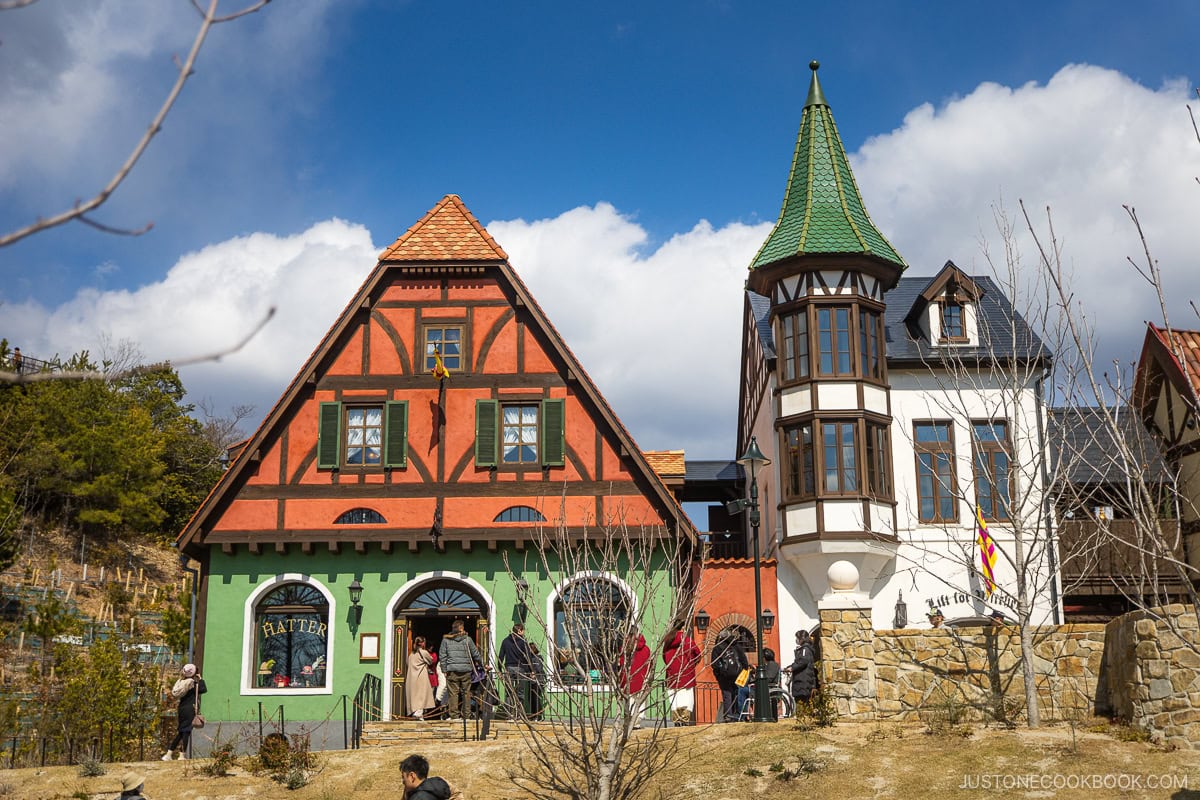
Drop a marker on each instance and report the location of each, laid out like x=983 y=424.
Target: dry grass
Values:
x=848 y=761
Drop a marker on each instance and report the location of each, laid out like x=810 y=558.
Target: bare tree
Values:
x=615 y=585
x=83 y=208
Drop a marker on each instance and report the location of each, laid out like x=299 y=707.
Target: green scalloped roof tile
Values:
x=822 y=211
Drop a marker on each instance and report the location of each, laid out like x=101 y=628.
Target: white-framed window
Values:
x=590 y=616
x=288 y=637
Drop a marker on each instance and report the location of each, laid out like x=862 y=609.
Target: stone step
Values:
x=409 y=732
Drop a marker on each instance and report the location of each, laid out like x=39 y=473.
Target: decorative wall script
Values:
x=999 y=597
x=286 y=626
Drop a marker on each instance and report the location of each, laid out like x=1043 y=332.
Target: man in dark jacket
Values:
x=517 y=660
x=414 y=774
x=458 y=655
x=728 y=660
x=804 y=672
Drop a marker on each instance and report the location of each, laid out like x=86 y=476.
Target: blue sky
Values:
x=633 y=152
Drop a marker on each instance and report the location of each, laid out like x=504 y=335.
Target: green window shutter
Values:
x=395 y=441
x=329 y=436
x=486 y=439
x=553 y=428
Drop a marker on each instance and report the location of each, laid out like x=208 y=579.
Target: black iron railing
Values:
x=367 y=707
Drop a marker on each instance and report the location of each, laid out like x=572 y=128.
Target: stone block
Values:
x=884 y=673
x=1145 y=629
x=1185 y=717
x=1155 y=668
x=1182 y=680
x=1160 y=688
x=1147 y=648
x=832 y=651
x=1186 y=657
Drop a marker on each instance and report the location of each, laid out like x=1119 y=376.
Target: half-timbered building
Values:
x=875 y=395
x=439 y=422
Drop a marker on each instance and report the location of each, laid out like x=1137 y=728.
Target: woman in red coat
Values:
x=634 y=668
x=681 y=657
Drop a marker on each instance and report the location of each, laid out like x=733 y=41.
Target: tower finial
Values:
x=815 y=96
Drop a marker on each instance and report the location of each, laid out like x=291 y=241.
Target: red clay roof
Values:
x=449 y=232
x=1187 y=345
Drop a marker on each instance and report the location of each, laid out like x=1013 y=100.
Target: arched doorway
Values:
x=428 y=610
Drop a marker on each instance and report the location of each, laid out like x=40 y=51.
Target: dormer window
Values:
x=954 y=328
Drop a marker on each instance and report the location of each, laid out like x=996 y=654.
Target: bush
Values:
x=296 y=779
x=90 y=767
x=221 y=759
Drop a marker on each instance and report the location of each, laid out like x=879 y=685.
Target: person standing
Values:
x=728 y=660
x=187 y=691
x=681 y=656
x=537 y=682
x=633 y=669
x=516 y=660
x=804 y=671
x=418 y=691
x=18 y=360
x=458 y=656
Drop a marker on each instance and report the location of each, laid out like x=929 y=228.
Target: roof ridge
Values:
x=448 y=242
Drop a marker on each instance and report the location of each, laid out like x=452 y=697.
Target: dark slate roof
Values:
x=760 y=307
x=997 y=318
x=995 y=313
x=1085 y=439
x=725 y=470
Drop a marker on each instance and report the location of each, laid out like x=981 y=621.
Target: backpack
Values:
x=727 y=667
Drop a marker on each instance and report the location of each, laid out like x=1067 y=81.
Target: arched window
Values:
x=291 y=637
x=590 y=616
x=360 y=516
x=519 y=514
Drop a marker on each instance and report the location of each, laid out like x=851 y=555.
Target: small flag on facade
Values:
x=987 y=551
x=439 y=369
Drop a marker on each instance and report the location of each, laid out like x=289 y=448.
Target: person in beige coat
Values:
x=418 y=691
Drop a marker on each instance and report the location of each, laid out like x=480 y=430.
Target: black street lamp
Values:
x=753 y=459
x=356 y=590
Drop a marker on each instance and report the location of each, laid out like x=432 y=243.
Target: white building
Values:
x=891 y=407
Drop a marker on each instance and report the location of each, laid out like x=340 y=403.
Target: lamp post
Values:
x=356 y=591
x=753 y=459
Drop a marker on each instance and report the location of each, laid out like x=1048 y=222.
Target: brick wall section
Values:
x=909 y=674
x=1153 y=662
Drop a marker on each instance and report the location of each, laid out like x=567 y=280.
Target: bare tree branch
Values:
x=24 y=377
x=80 y=209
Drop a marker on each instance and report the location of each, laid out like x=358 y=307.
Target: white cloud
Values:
x=1084 y=144
x=658 y=330
x=209 y=300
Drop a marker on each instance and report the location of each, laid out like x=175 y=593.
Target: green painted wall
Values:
x=232 y=579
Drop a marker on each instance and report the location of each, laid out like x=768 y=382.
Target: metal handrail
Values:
x=367 y=707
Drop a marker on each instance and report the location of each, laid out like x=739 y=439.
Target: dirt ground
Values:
x=724 y=761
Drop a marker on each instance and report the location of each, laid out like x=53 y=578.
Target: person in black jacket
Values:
x=517 y=661
x=728 y=660
x=414 y=775
x=804 y=671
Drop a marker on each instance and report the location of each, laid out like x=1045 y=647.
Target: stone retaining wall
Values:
x=973 y=672
x=1154 y=667
x=1143 y=667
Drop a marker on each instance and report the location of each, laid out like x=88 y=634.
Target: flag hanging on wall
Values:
x=439 y=369
x=987 y=551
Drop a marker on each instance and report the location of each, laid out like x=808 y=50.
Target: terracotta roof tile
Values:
x=1188 y=346
x=448 y=232
x=668 y=463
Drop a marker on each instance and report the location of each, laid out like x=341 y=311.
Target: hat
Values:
x=131 y=781
x=189 y=670
x=996 y=615
x=934 y=612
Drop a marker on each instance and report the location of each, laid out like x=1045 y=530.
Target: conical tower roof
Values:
x=822 y=210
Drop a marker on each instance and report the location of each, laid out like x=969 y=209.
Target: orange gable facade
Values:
x=366 y=426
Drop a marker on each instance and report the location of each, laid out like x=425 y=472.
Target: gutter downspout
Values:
x=183 y=564
x=1052 y=543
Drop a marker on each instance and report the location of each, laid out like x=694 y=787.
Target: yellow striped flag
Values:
x=987 y=551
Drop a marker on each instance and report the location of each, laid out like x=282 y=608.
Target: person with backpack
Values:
x=728 y=660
